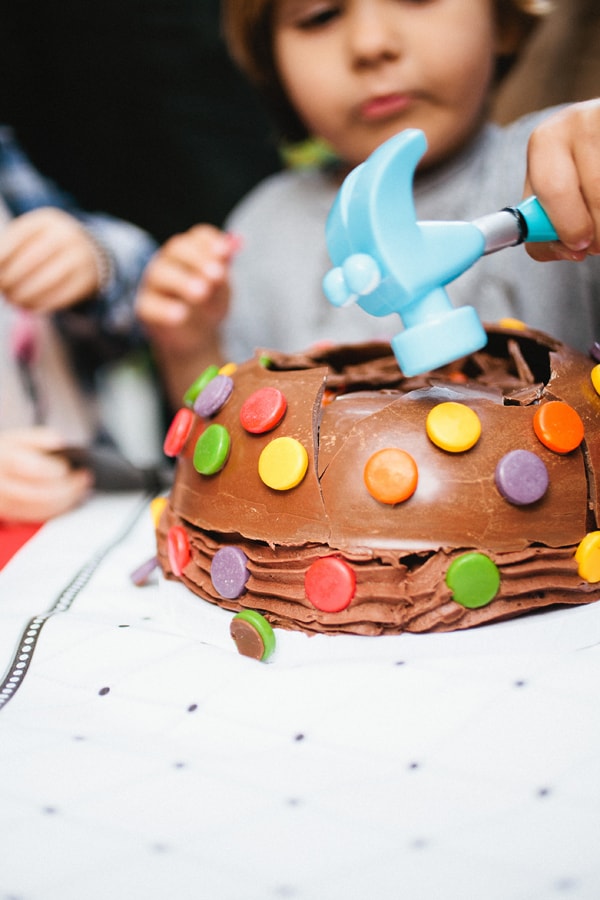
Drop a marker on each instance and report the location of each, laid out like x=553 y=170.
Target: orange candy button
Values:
x=283 y=463
x=453 y=426
x=558 y=426
x=587 y=557
x=391 y=475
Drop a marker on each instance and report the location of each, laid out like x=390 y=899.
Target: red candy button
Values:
x=263 y=410
x=178 y=432
x=178 y=549
x=558 y=426
x=330 y=584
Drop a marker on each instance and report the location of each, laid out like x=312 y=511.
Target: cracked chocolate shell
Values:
x=324 y=550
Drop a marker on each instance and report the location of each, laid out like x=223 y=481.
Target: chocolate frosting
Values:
x=343 y=404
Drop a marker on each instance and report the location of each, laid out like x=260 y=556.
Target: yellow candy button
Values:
x=156 y=507
x=453 y=426
x=587 y=557
x=283 y=463
x=228 y=369
x=515 y=324
x=596 y=378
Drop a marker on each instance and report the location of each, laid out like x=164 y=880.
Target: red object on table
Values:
x=12 y=537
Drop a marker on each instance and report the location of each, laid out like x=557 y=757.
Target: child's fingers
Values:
x=47 y=261
x=55 y=282
x=157 y=310
x=186 y=268
x=587 y=158
x=564 y=172
x=41 y=436
x=35 y=501
x=36 y=483
x=167 y=277
x=198 y=245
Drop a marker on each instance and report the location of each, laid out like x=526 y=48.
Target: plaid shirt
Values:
x=104 y=326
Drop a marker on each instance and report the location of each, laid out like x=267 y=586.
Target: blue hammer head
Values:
x=387 y=262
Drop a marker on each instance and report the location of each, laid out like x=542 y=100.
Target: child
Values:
x=354 y=73
x=67 y=281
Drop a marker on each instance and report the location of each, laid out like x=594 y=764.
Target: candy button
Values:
x=178 y=549
x=228 y=369
x=214 y=396
x=515 y=324
x=453 y=426
x=212 y=449
x=156 y=509
x=587 y=556
x=140 y=576
x=283 y=463
x=178 y=432
x=252 y=634
x=330 y=584
x=391 y=475
x=228 y=572
x=558 y=426
x=473 y=579
x=199 y=384
x=521 y=477
x=263 y=410
x=595 y=374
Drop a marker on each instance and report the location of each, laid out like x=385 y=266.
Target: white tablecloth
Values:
x=142 y=757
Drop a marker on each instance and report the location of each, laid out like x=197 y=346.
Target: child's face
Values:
x=358 y=71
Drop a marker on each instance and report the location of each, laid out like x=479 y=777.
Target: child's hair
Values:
x=248 y=27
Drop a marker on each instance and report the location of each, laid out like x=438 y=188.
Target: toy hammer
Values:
x=388 y=262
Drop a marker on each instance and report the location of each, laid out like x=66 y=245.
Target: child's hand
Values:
x=184 y=293
x=35 y=483
x=183 y=297
x=47 y=261
x=564 y=171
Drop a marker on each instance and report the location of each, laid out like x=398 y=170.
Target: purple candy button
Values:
x=521 y=477
x=228 y=572
x=213 y=396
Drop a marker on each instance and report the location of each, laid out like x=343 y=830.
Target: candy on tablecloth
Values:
x=253 y=635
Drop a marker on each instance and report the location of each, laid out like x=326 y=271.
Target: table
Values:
x=142 y=757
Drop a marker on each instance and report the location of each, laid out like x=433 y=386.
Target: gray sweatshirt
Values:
x=278 y=301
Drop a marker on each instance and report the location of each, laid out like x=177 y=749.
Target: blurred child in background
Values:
x=67 y=284
x=353 y=74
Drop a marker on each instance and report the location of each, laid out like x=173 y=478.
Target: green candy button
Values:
x=473 y=579
x=199 y=384
x=255 y=637
x=212 y=450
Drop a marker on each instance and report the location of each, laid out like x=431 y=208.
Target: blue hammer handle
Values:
x=514 y=225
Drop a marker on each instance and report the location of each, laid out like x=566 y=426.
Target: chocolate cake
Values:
x=331 y=494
